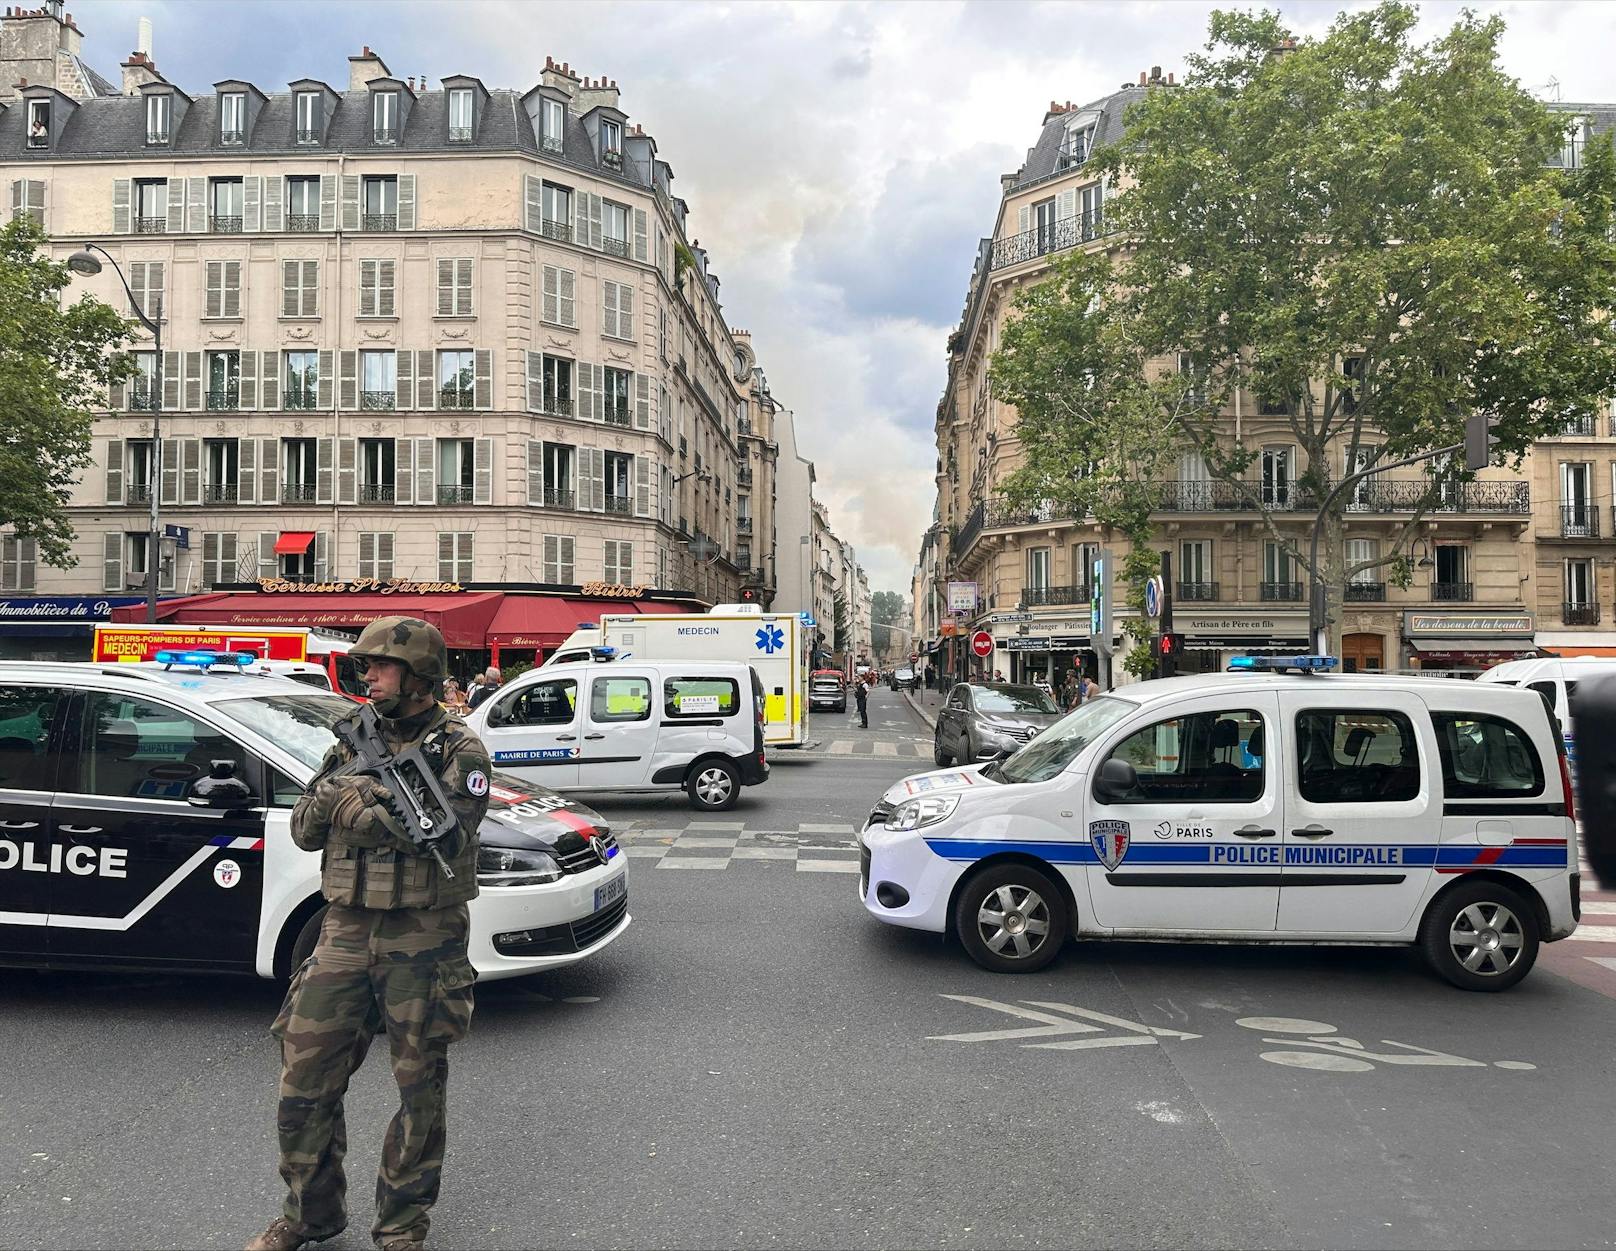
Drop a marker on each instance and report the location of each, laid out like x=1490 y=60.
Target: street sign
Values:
x=981 y=645
x=1153 y=597
x=181 y=535
x=1009 y=618
x=962 y=597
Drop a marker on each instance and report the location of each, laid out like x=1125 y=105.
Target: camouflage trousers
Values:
x=405 y=972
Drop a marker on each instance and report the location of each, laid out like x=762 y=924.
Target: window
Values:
x=1038 y=568
x=1360 y=551
x=221 y=481
x=1485 y=757
x=455 y=470
x=219 y=554
x=298 y=458
x=134 y=748
x=700 y=697
x=617 y=309
x=614 y=228
x=151 y=206
x=298 y=566
x=308 y=117
x=223 y=296
x=379 y=203
x=619 y=699
x=1278 y=573
x=27 y=714
x=560 y=305
x=556 y=222
x=301 y=390
x=615 y=387
x=1356 y=461
x=559 y=485
x=456 y=379
x=1578 y=518
x=544 y=703
x=224 y=381
x=611 y=140
x=233 y=117
x=1452 y=581
x=618 y=496
x=28 y=200
x=1352 y=756
x=142 y=388
x=1352 y=369
x=1206 y=757
x=159 y=109
x=376 y=278
x=1197 y=581
x=39 y=123
x=619 y=555
x=300 y=288
x=454 y=286
x=1579 y=583
x=376 y=555
x=1276 y=477
x=1043 y=215
x=17 y=560
x=303 y=203
x=558 y=552
x=460 y=115
x=454 y=557
x=384 y=117
x=557 y=372
x=377 y=477
x=378 y=380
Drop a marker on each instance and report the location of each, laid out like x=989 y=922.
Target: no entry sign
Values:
x=982 y=644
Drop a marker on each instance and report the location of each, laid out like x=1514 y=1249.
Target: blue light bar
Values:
x=603 y=653
x=206 y=660
x=1274 y=664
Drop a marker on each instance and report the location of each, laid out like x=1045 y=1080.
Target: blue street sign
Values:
x=1153 y=597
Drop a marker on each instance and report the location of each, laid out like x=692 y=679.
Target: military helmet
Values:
x=414 y=643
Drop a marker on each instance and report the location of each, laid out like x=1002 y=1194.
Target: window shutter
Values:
x=350 y=202
x=1023 y=220
x=567 y=549
x=252 y=201
x=35 y=205
x=535 y=473
x=112 y=561
x=347 y=457
x=594 y=460
x=310 y=285
x=483 y=379
x=121 y=206
x=446 y=550
x=639 y=234
x=423 y=471
x=269 y=468
x=196 y=205
x=249 y=380
x=550 y=309
x=170 y=493
x=462 y=281
x=406 y=201
x=367 y=554
x=533 y=203
x=595 y=233
x=445 y=287
x=642 y=470
x=405 y=379
x=384 y=556
x=580 y=228
x=625 y=311
x=584 y=409
x=404 y=460
x=367 y=288
x=274 y=191
x=19 y=197
x=155 y=277
x=348 y=389
x=268 y=565
x=642 y=402
x=117 y=392
x=552 y=557
x=210 y=559
x=482 y=471
x=291 y=288
x=426 y=392
x=322 y=556
x=176 y=206
x=328 y=367
x=193 y=380
x=191 y=471
x=1066 y=205
x=385 y=272
x=115 y=471
x=171 y=381
x=232 y=289
x=535 y=382
x=247 y=465
x=328 y=202
x=566 y=298
x=322 y=470
x=137 y=286
x=213 y=303
x=608 y=308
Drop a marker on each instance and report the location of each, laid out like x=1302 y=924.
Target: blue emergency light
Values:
x=603 y=653
x=1281 y=664
x=205 y=660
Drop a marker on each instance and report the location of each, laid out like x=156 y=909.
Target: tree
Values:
x=54 y=369
x=890 y=623
x=1366 y=236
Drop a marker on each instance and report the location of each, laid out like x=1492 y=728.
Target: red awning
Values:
x=293 y=542
x=546 y=620
x=462 y=617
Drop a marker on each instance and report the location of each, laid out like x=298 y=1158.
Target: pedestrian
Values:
x=1091 y=688
x=1071 y=691
x=861 y=693
x=998 y=675
x=391 y=956
x=454 y=699
x=490 y=684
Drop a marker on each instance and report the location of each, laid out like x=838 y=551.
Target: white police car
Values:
x=109 y=856
x=1278 y=805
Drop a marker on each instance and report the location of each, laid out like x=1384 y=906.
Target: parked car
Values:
x=904 y=679
x=980 y=720
x=827 y=691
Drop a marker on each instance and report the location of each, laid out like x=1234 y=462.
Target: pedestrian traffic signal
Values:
x=1172 y=644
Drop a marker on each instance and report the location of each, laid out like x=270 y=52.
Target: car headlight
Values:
x=925 y=811
x=508 y=866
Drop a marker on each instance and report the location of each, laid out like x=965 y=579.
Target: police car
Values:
x=113 y=855
x=1283 y=804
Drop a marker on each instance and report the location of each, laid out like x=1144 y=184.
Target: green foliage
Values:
x=1139 y=566
x=53 y=371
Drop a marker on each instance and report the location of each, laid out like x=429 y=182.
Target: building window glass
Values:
x=302 y=388
x=455 y=469
x=456 y=379
x=378 y=380
x=379 y=210
x=377 y=479
x=560 y=489
x=39 y=123
x=553 y=125
x=619 y=497
x=303 y=203
x=225 y=210
x=384 y=117
x=460 y=115
x=308 y=117
x=151 y=206
x=299 y=460
x=233 y=117
x=159 y=109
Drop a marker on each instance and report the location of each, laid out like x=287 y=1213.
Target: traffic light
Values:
x=1479 y=441
x=1169 y=646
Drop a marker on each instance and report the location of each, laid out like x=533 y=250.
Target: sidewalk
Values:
x=926 y=703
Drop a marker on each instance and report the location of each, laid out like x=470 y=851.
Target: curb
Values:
x=925 y=716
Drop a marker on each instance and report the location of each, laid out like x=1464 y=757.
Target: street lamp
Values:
x=84 y=262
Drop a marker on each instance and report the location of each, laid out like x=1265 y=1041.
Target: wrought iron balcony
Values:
x=1453 y=592
x=384 y=134
x=308 y=136
x=379 y=221
x=1580 y=427
x=151 y=225
x=297 y=493
x=460 y=134
x=452 y=398
x=559 y=407
x=299 y=399
x=220 y=493
x=551 y=143
x=614 y=247
x=222 y=401
x=965 y=537
x=743 y=425
x=376 y=493
x=137 y=493
x=1067 y=233
x=560 y=231
x=302 y=221
x=232 y=138
x=560 y=499
x=1579 y=521
x=1365 y=592
x=378 y=401
x=1279 y=592
x=1580 y=614
x=1038 y=596
x=743 y=525
x=142 y=401
x=617 y=415
x=1391 y=496
x=458 y=494
x=743 y=477
x=618 y=504
x=229 y=225
x=1197 y=592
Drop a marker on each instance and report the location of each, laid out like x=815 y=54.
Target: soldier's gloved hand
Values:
x=352 y=810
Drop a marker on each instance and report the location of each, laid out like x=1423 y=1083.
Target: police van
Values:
x=145 y=814
x=1280 y=804
x=1556 y=679
x=613 y=725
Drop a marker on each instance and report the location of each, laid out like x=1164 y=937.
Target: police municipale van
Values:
x=145 y=823
x=1282 y=803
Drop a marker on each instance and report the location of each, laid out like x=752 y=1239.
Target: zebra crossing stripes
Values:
x=813 y=847
x=906 y=748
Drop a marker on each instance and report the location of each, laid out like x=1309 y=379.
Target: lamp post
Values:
x=84 y=262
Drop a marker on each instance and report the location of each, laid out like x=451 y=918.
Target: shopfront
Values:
x=57 y=627
x=1212 y=639
x=1466 y=643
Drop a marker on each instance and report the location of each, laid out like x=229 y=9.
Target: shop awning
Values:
x=1482 y=645
x=293 y=542
x=463 y=617
x=546 y=620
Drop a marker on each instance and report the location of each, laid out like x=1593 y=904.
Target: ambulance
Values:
x=775 y=645
x=311 y=656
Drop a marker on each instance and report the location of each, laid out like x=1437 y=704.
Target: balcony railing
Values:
x=560 y=499
x=308 y=136
x=455 y=399
x=297 y=493
x=560 y=408
x=230 y=225
x=384 y=134
x=965 y=537
x=1579 y=521
x=379 y=221
x=614 y=247
x=743 y=477
x=223 y=401
x=378 y=401
x=1580 y=427
x=302 y=221
x=1067 y=233
x=1579 y=614
x=142 y=401
x=1279 y=592
x=460 y=134
x=743 y=525
x=376 y=493
x=1365 y=592
x=151 y=225
x=743 y=425
x=618 y=504
x=459 y=494
x=617 y=415
x=1453 y=592
x=137 y=493
x=299 y=399
x=551 y=143
x=220 y=493
x=232 y=138
x=1391 y=496
x=1040 y=596
x=1198 y=592
x=559 y=231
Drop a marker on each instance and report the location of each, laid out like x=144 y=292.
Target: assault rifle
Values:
x=417 y=793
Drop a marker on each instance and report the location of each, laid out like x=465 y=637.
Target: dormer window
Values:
x=39 y=123
x=555 y=122
x=1078 y=144
x=233 y=117
x=611 y=142
x=384 y=117
x=159 y=115
x=308 y=117
x=460 y=116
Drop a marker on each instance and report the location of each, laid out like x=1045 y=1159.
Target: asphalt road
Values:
x=758 y=1063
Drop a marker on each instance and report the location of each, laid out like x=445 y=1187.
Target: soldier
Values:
x=391 y=955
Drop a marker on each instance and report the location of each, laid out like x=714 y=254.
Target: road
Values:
x=758 y=1063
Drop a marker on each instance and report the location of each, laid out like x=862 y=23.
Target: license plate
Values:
x=611 y=892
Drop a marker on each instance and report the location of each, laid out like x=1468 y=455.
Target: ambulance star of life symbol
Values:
x=770 y=639
x=1110 y=840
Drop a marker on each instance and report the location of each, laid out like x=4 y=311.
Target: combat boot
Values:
x=283 y=1236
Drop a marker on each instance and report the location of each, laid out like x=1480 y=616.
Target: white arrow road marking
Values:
x=1137 y=1035
x=1052 y=1024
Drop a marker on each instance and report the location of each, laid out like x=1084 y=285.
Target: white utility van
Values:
x=773 y=644
x=1555 y=678
x=1275 y=806
x=631 y=725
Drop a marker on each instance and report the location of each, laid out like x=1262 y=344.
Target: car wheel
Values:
x=307 y=937
x=1480 y=936
x=714 y=785
x=941 y=757
x=1011 y=918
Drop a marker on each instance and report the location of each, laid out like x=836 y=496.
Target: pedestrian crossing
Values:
x=867 y=744
x=712 y=846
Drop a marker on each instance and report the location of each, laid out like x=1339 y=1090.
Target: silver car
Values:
x=982 y=719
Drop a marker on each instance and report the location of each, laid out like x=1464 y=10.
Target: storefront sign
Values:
x=367 y=586
x=119 y=643
x=612 y=590
x=962 y=597
x=65 y=607
x=1469 y=624
x=1026 y=643
x=1249 y=628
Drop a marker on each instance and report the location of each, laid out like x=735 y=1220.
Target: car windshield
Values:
x=1012 y=699
x=1058 y=746
x=299 y=723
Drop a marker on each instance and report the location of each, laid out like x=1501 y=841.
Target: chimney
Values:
x=138 y=70
x=1170 y=81
x=143 y=34
x=560 y=77
x=597 y=92
x=1287 y=44
x=1142 y=77
x=1155 y=76
x=365 y=67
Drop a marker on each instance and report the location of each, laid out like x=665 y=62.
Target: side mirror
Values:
x=220 y=789
x=1115 y=781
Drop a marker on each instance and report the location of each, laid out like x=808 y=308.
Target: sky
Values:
x=840 y=159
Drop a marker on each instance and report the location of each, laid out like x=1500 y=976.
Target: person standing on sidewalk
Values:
x=861 y=693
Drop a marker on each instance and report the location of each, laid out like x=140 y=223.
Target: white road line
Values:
x=1599 y=908
x=1596 y=933
x=827 y=866
x=765 y=853
x=703 y=840
x=841 y=747
x=885 y=749
x=1608 y=962
x=806 y=828
x=646 y=853
x=692 y=862
x=716 y=825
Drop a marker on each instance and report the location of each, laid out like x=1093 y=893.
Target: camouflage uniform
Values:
x=391 y=955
